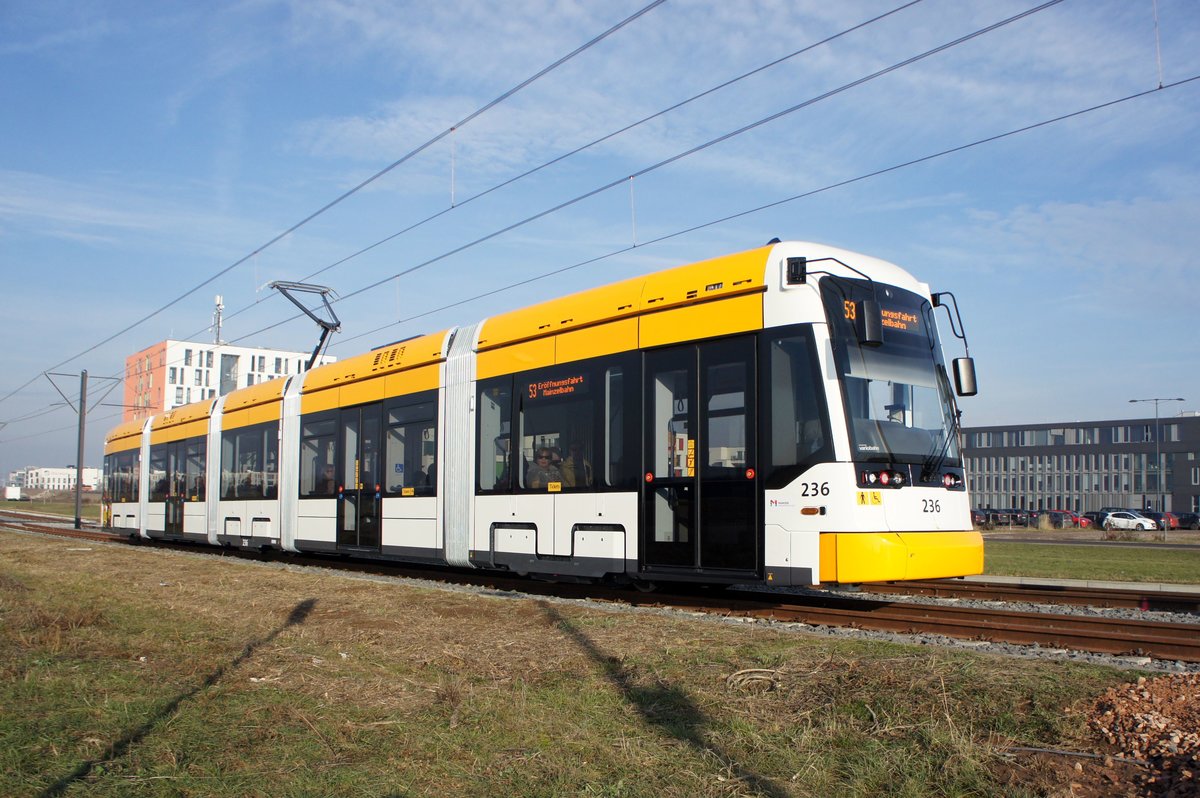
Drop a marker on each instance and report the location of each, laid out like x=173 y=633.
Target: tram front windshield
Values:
x=897 y=396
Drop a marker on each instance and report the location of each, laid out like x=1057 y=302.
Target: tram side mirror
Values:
x=964 y=376
x=870 y=323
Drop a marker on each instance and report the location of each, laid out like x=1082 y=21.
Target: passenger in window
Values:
x=326 y=484
x=576 y=470
x=431 y=474
x=543 y=471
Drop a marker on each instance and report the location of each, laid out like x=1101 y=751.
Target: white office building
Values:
x=37 y=478
x=174 y=373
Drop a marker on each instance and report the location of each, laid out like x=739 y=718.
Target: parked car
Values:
x=1096 y=517
x=1016 y=517
x=998 y=517
x=979 y=519
x=1129 y=519
x=1189 y=520
x=1059 y=519
x=1033 y=518
x=1074 y=519
x=1164 y=520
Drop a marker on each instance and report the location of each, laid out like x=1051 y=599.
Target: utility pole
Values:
x=1158 y=464
x=79 y=450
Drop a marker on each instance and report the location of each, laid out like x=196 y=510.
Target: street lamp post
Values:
x=1162 y=508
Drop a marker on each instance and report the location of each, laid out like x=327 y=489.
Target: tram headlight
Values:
x=887 y=478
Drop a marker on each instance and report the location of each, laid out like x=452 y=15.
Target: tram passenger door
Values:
x=360 y=486
x=173 y=512
x=700 y=495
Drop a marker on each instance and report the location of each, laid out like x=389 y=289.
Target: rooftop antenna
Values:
x=327 y=327
x=217 y=318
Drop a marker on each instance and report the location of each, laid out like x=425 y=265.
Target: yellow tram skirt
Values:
x=849 y=557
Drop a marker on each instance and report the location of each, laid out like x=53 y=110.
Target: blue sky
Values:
x=145 y=147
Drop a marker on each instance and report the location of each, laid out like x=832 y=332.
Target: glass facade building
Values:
x=1082 y=466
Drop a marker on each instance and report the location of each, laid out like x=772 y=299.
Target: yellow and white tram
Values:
x=781 y=416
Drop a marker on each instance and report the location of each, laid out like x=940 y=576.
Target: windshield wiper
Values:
x=934 y=462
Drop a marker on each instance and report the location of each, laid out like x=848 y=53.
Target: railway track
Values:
x=1105 y=635
x=39 y=523
x=1139 y=598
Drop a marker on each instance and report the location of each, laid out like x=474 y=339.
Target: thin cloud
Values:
x=59 y=40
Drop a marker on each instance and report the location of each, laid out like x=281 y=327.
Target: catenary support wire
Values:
x=350 y=192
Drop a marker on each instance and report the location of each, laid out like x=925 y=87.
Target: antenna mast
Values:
x=217 y=318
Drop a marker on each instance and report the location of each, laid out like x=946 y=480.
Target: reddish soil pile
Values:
x=1155 y=722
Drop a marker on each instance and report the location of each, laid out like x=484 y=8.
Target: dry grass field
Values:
x=131 y=671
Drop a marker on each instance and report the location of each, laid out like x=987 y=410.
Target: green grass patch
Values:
x=64 y=508
x=141 y=672
x=1095 y=562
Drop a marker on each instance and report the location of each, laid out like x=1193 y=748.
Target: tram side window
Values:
x=249 y=467
x=132 y=467
x=798 y=435
x=557 y=429
x=195 y=456
x=725 y=397
x=114 y=486
x=675 y=454
x=494 y=435
x=160 y=487
x=110 y=478
x=614 y=434
x=123 y=473
x=318 y=457
x=411 y=449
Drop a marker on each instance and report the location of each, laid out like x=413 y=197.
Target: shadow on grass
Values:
x=665 y=707
x=119 y=748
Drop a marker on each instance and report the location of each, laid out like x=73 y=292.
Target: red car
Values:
x=1075 y=519
x=1164 y=520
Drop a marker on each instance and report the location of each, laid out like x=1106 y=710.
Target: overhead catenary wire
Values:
x=677 y=157
x=454 y=205
x=689 y=229
x=350 y=192
x=749 y=211
x=577 y=150
x=33 y=435
x=784 y=201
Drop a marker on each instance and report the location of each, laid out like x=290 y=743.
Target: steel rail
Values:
x=1155 y=639
x=1130 y=637
x=1143 y=598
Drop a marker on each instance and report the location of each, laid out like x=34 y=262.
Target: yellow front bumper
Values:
x=884 y=556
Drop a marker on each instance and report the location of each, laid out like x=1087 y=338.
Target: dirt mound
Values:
x=1156 y=723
